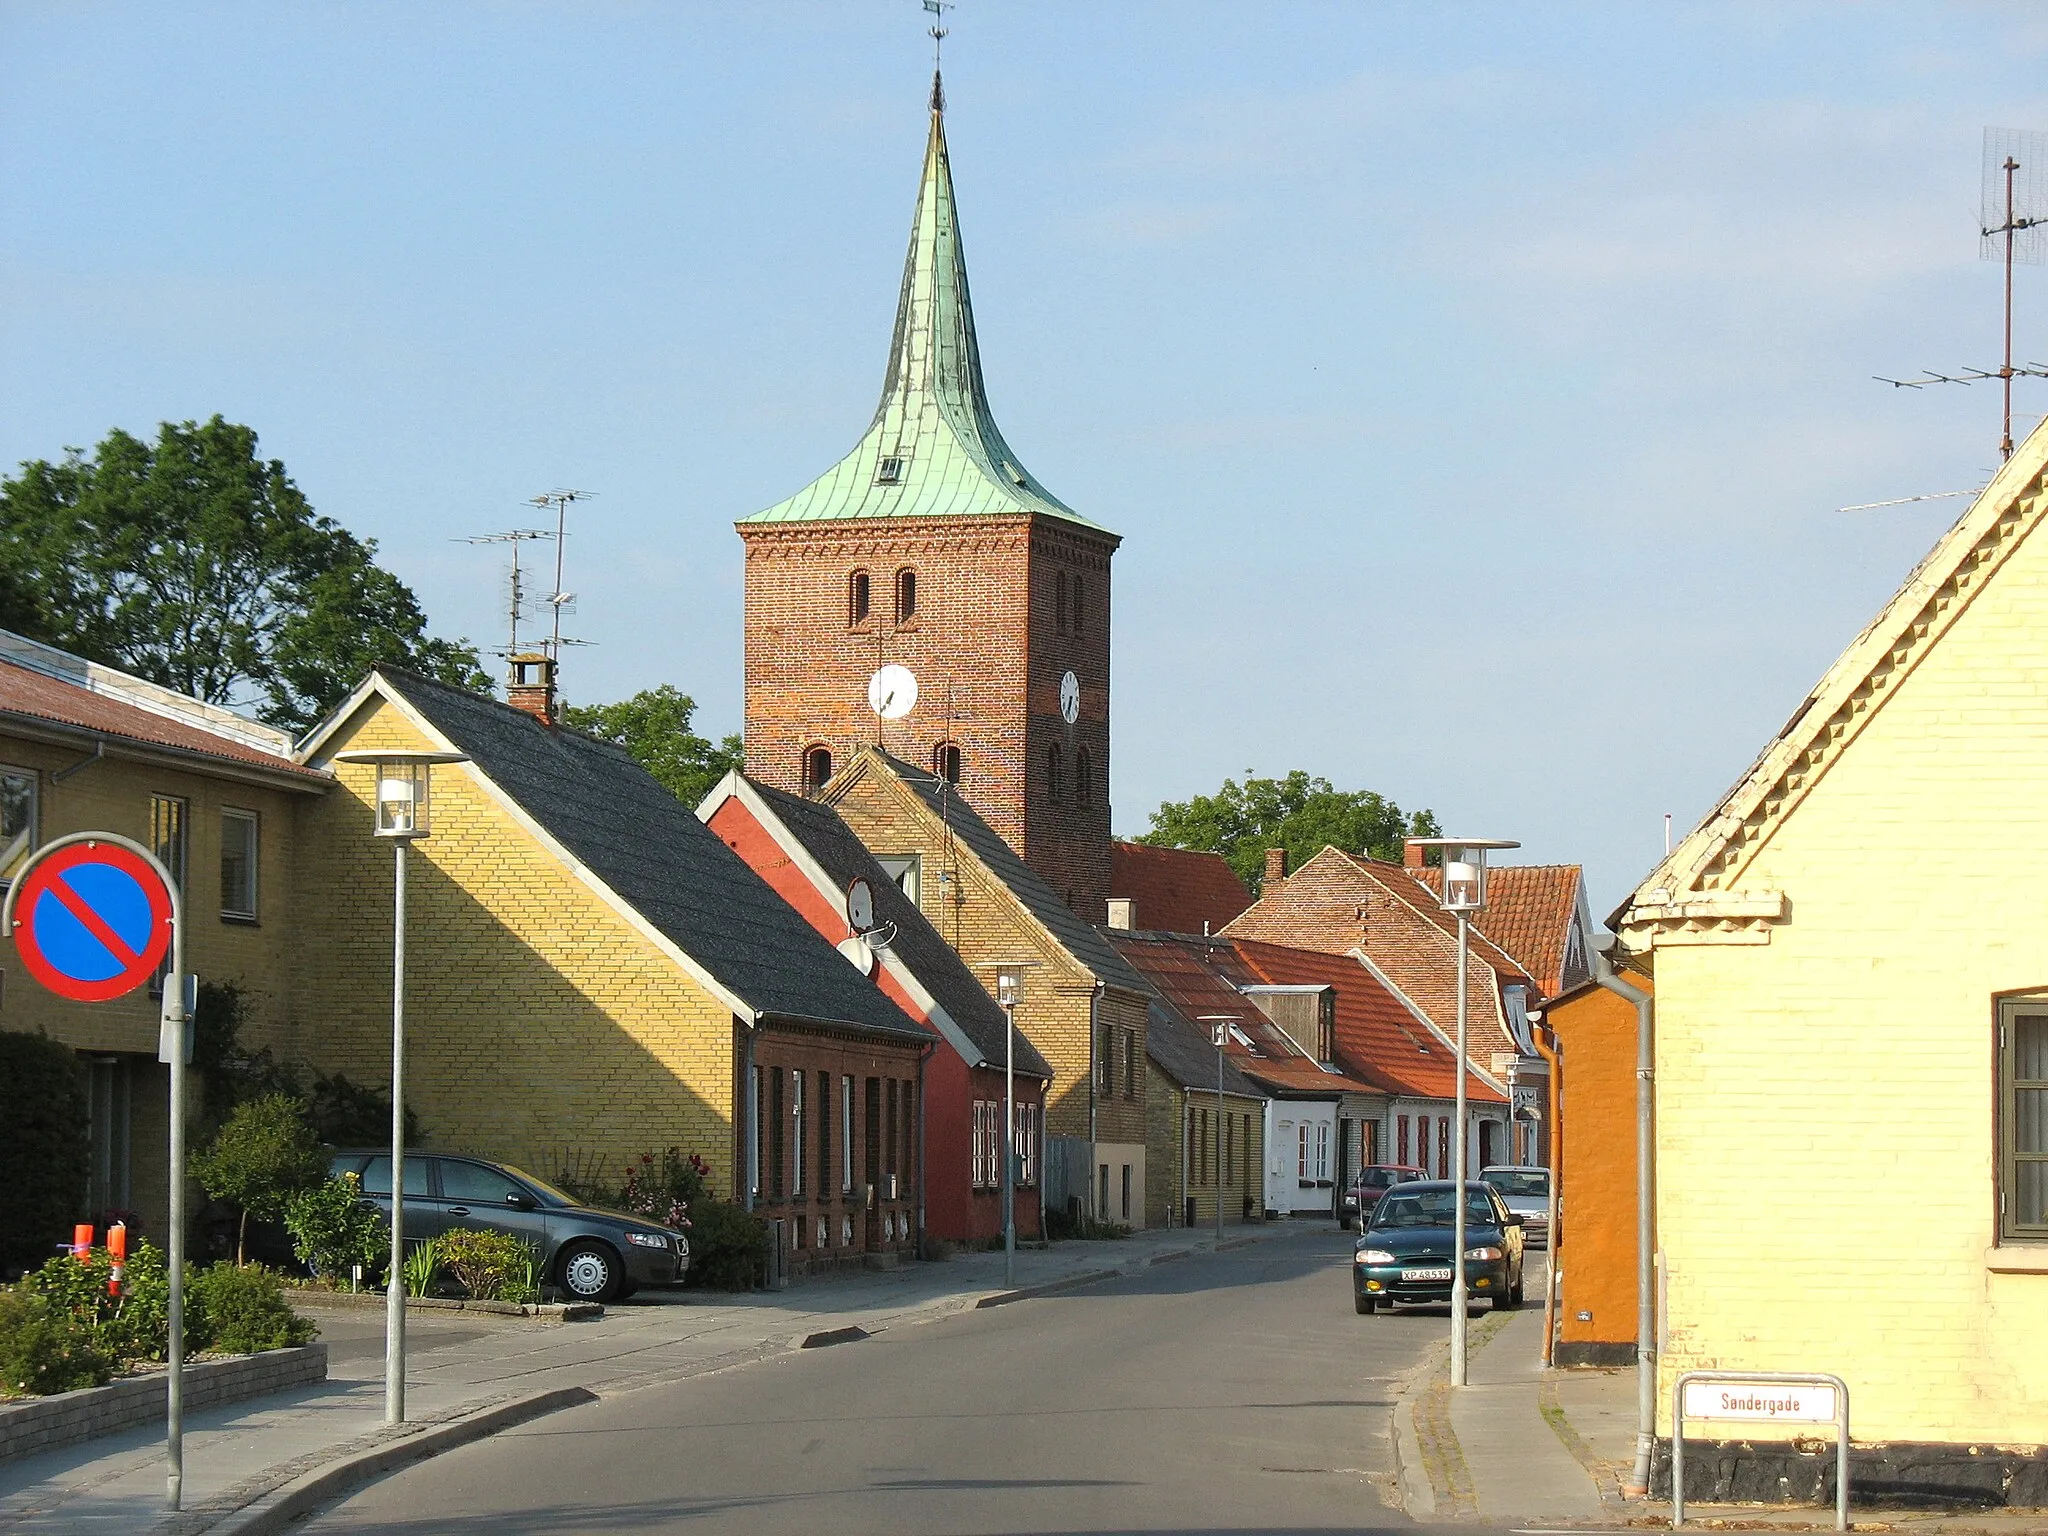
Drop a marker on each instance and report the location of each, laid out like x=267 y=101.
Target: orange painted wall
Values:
x=1597 y=1184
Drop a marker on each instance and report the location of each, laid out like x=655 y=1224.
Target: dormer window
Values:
x=889 y=472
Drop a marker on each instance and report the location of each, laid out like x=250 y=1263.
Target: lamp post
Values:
x=402 y=815
x=1464 y=892
x=1009 y=992
x=1219 y=1035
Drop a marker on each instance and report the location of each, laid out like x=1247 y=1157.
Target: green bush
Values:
x=483 y=1261
x=333 y=1231
x=43 y=1153
x=134 y=1326
x=44 y=1348
x=241 y=1310
x=422 y=1268
x=263 y=1156
x=1061 y=1226
x=728 y=1247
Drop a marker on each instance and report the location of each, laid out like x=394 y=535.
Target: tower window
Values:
x=1055 y=773
x=946 y=762
x=817 y=769
x=906 y=595
x=1059 y=600
x=1080 y=601
x=1084 y=777
x=890 y=472
x=857 y=598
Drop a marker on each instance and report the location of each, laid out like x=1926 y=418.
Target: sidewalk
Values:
x=1530 y=1447
x=469 y=1373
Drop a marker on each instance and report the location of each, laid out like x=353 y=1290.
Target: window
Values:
x=167 y=834
x=377 y=1177
x=889 y=471
x=946 y=762
x=1321 y=1160
x=471 y=1183
x=904 y=869
x=1080 y=601
x=817 y=769
x=1301 y=1151
x=1084 y=777
x=846 y=1135
x=1202 y=1148
x=824 y=1140
x=1401 y=1139
x=889 y=1144
x=17 y=818
x=2023 y=1116
x=1105 y=1067
x=771 y=1122
x=1055 y=773
x=857 y=599
x=798 y=1129
x=1229 y=1130
x=1130 y=1063
x=1027 y=1142
x=906 y=595
x=1059 y=600
x=1127 y=1191
x=987 y=1115
x=238 y=864
x=754 y=1146
x=1443 y=1146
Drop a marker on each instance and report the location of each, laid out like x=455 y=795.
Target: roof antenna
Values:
x=2013 y=226
x=558 y=599
x=515 y=579
x=938 y=9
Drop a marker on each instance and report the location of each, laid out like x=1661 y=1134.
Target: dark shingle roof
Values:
x=1078 y=938
x=829 y=840
x=651 y=850
x=1183 y=1052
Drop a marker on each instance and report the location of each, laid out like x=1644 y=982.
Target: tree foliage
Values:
x=1301 y=813
x=654 y=726
x=197 y=565
x=264 y=1155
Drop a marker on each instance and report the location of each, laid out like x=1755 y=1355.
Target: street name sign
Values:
x=1793 y=1403
x=92 y=921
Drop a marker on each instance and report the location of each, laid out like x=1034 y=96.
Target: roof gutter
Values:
x=1646 y=1215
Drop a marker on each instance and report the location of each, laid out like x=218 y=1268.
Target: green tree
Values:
x=43 y=1148
x=654 y=726
x=197 y=565
x=1300 y=813
x=263 y=1156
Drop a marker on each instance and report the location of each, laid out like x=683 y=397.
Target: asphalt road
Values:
x=1220 y=1393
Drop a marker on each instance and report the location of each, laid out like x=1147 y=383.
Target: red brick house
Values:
x=810 y=856
x=1535 y=912
x=1172 y=890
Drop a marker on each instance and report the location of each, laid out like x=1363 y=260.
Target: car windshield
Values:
x=1429 y=1208
x=1517 y=1183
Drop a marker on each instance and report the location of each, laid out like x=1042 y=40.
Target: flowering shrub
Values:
x=663 y=1192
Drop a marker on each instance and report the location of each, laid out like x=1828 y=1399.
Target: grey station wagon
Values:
x=591 y=1253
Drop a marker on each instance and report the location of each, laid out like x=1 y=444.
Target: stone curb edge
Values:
x=362 y=1301
x=323 y=1485
x=1025 y=1293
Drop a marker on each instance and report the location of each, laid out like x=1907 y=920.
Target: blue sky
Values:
x=1475 y=386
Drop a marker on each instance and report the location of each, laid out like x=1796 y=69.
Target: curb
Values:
x=300 y=1497
x=363 y=1301
x=1025 y=1293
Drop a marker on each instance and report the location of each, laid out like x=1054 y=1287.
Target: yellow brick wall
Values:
x=1825 y=1135
x=1166 y=1109
x=538 y=1021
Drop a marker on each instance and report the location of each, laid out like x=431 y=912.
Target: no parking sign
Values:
x=92 y=920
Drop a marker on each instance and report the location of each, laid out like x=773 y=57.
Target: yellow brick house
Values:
x=593 y=974
x=1851 y=967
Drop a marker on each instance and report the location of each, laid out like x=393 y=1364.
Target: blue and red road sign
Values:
x=92 y=921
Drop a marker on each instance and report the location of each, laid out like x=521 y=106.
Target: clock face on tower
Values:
x=1070 y=698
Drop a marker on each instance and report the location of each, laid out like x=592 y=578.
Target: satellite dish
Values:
x=860 y=953
x=1070 y=698
x=892 y=692
x=860 y=905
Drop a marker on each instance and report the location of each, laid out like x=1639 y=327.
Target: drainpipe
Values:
x=1551 y=1049
x=1094 y=1077
x=1646 y=1218
x=923 y=1056
x=750 y=1137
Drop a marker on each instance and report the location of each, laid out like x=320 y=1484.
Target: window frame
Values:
x=860 y=608
x=947 y=755
x=904 y=590
x=813 y=785
x=2007 y=1087
x=1084 y=776
x=1055 y=773
x=32 y=833
x=254 y=822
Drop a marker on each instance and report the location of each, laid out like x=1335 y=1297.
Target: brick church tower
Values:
x=931 y=547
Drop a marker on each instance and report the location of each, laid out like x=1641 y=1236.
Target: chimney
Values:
x=1276 y=873
x=531 y=687
x=1411 y=855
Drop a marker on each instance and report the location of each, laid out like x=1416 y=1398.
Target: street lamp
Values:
x=1219 y=1035
x=1464 y=892
x=400 y=801
x=1009 y=992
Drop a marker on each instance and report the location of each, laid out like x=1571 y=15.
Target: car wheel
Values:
x=1363 y=1304
x=591 y=1272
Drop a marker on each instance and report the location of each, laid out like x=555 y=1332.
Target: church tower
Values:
x=930 y=547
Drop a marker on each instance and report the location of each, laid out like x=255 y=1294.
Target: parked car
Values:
x=1404 y=1252
x=591 y=1253
x=1527 y=1193
x=1373 y=1180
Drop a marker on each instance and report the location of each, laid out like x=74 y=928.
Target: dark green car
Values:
x=1404 y=1253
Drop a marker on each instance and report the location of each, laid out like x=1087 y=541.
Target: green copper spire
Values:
x=933 y=449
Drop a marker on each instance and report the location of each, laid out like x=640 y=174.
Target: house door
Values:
x=1487 y=1148
x=872 y=1215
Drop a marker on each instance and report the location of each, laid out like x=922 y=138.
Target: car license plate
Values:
x=1425 y=1274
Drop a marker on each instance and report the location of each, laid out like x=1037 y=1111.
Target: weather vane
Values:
x=938 y=9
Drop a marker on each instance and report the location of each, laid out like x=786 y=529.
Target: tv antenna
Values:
x=559 y=499
x=2012 y=225
x=515 y=583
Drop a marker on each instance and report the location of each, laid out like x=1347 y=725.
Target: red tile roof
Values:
x=1175 y=890
x=1529 y=913
x=35 y=695
x=1202 y=976
x=1378 y=1039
